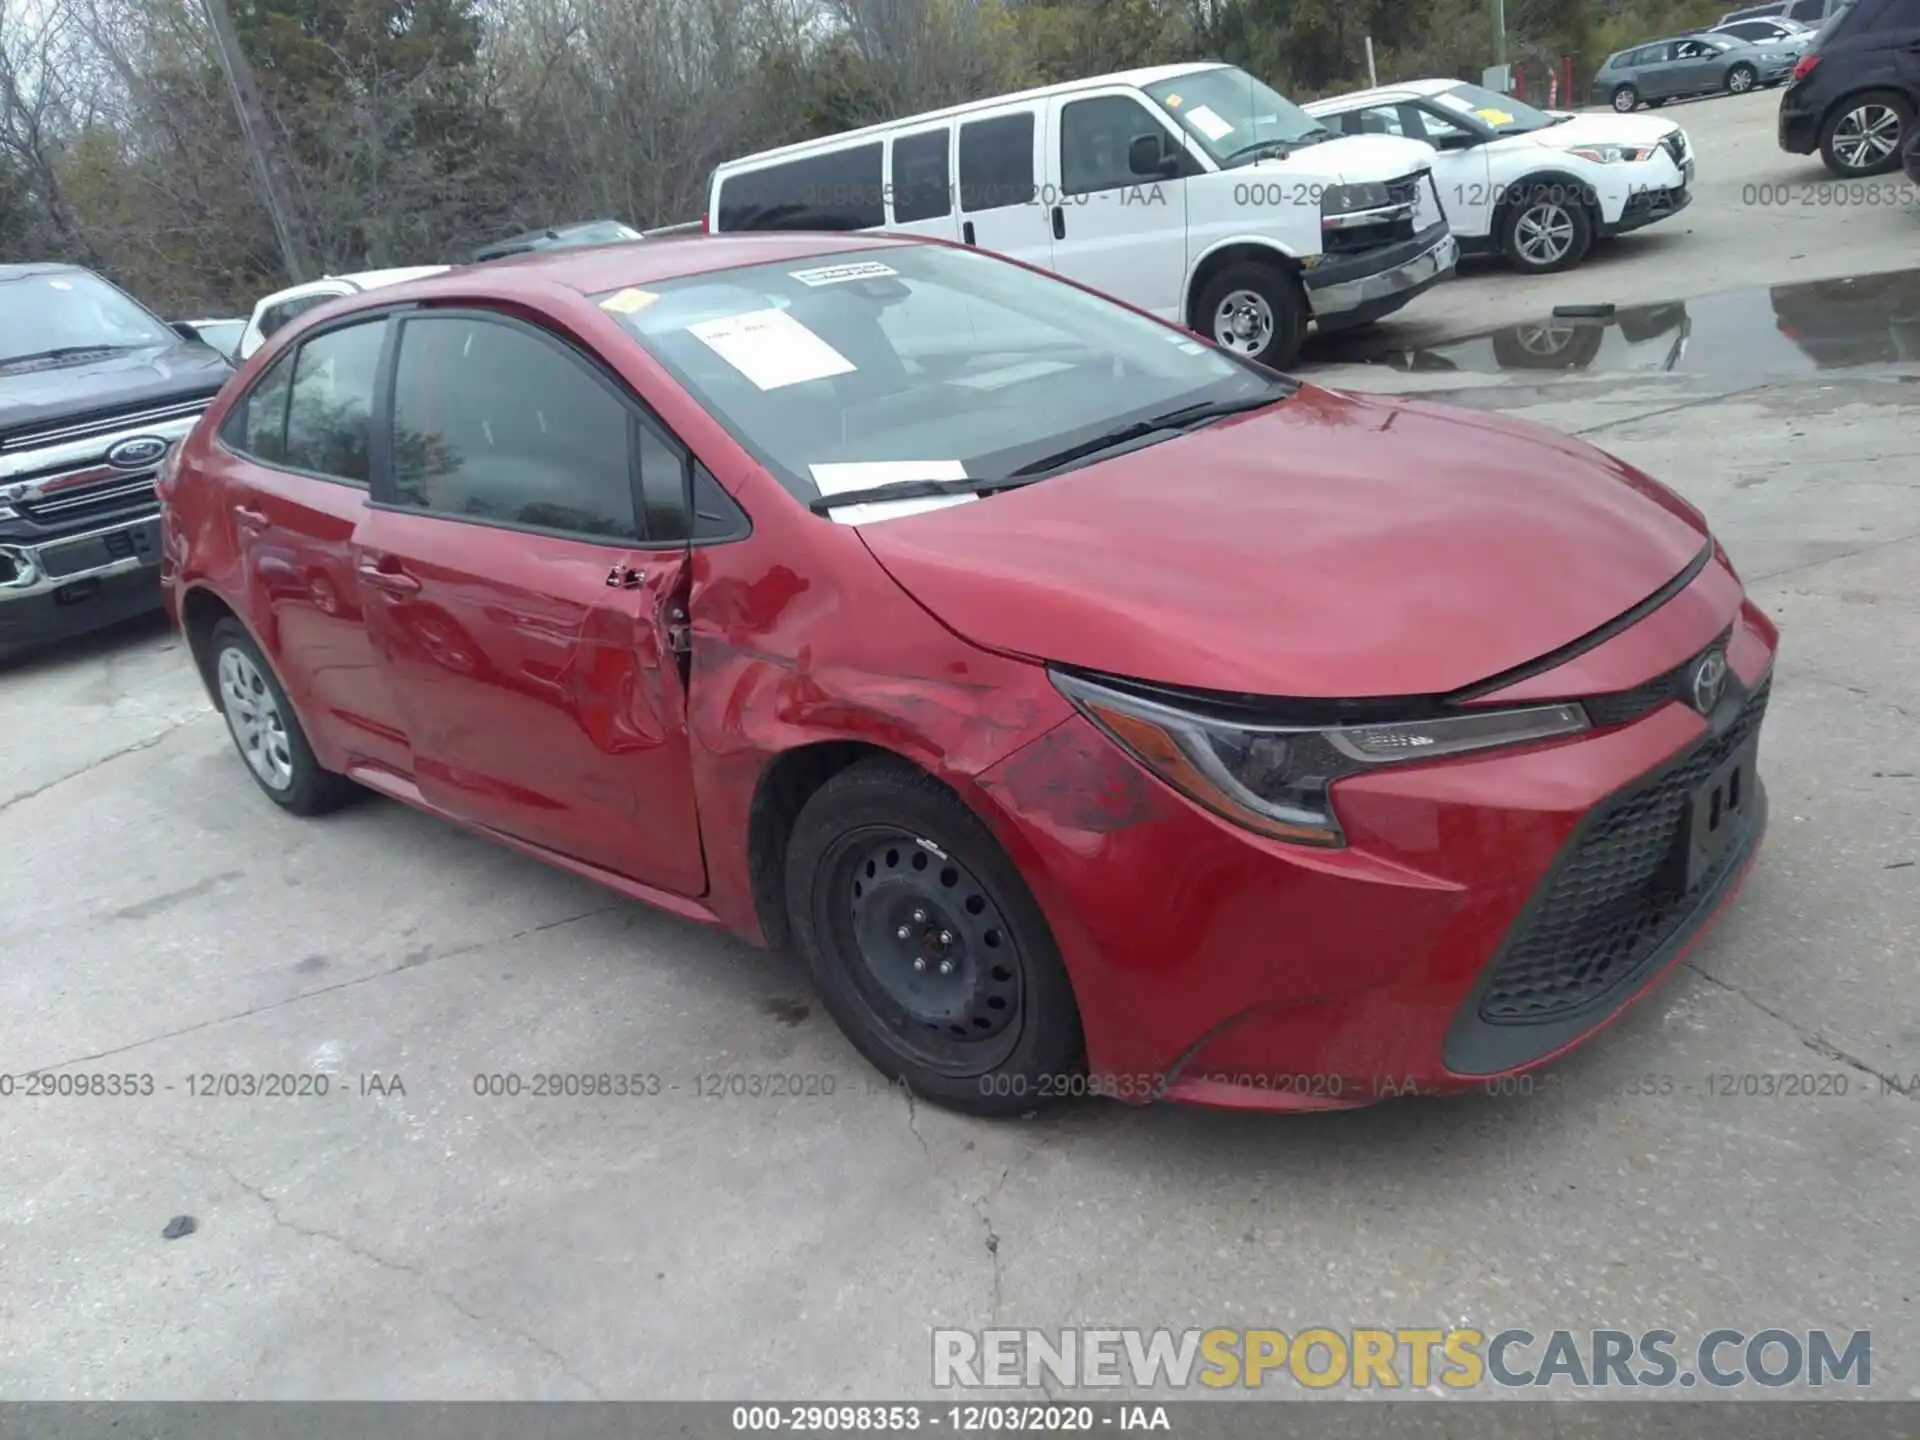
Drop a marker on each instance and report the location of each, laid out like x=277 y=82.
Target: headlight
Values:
x=1274 y=779
x=1612 y=154
x=1346 y=199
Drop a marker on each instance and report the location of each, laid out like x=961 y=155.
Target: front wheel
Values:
x=1545 y=230
x=926 y=945
x=1741 y=78
x=1862 y=136
x=1626 y=98
x=1258 y=311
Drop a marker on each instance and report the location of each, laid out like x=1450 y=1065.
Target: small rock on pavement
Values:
x=178 y=1226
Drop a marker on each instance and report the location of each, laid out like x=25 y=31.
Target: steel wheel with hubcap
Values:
x=1740 y=78
x=265 y=730
x=1864 y=138
x=254 y=717
x=1626 y=98
x=1254 y=310
x=926 y=945
x=1543 y=231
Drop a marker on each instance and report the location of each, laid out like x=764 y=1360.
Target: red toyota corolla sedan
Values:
x=1094 y=711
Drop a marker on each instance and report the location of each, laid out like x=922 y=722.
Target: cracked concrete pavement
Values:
x=403 y=1236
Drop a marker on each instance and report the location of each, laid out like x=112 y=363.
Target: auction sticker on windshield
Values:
x=771 y=348
x=628 y=302
x=839 y=274
x=1208 y=123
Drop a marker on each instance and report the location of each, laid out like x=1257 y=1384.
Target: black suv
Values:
x=94 y=390
x=1857 y=89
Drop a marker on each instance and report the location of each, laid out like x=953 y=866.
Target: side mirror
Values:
x=1455 y=140
x=1150 y=155
x=185 y=331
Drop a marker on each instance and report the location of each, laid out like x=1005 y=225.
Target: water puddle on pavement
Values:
x=1775 y=330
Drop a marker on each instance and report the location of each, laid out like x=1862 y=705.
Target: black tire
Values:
x=308 y=789
x=1859 y=111
x=1548 y=211
x=881 y=848
x=1286 y=304
x=1741 y=78
x=1624 y=98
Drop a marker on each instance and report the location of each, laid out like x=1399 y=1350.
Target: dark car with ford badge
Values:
x=94 y=391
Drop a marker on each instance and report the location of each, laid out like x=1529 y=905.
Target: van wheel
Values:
x=1258 y=311
x=1862 y=135
x=1544 y=229
x=926 y=945
x=265 y=730
x=1625 y=98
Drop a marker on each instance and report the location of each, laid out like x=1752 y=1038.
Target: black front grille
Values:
x=119 y=495
x=1622 y=707
x=1615 y=897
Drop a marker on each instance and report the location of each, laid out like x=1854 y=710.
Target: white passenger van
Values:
x=1192 y=191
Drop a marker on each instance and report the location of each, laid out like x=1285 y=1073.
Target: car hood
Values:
x=1598 y=128
x=1332 y=546
x=33 y=399
x=1352 y=159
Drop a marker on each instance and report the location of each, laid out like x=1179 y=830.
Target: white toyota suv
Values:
x=1192 y=191
x=1536 y=186
x=278 y=308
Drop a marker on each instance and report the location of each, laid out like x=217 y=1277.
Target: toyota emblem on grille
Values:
x=1709 y=681
x=132 y=454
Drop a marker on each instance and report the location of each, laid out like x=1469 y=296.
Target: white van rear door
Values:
x=1000 y=165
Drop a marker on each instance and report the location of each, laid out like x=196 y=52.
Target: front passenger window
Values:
x=494 y=422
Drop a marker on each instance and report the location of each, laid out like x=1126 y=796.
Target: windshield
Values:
x=1233 y=115
x=1501 y=114
x=63 y=311
x=918 y=363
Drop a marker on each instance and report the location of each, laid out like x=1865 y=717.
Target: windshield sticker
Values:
x=1494 y=117
x=1208 y=123
x=894 y=509
x=840 y=274
x=628 y=302
x=771 y=348
x=839 y=477
x=1173 y=102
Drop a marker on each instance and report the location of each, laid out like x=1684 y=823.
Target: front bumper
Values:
x=1351 y=290
x=1217 y=967
x=1647 y=207
x=55 y=588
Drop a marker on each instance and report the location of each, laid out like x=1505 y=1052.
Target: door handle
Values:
x=255 y=519
x=1059 y=223
x=387 y=576
x=966 y=231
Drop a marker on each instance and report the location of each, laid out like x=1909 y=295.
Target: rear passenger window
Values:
x=496 y=423
x=256 y=426
x=330 y=409
x=922 y=187
x=996 y=162
x=835 y=190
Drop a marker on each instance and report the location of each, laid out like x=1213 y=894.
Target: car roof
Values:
x=1146 y=75
x=595 y=269
x=23 y=269
x=1405 y=90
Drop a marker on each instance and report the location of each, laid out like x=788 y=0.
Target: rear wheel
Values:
x=1258 y=311
x=926 y=945
x=1625 y=98
x=265 y=730
x=1741 y=78
x=1862 y=135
